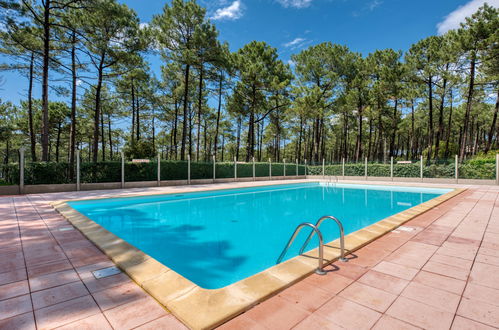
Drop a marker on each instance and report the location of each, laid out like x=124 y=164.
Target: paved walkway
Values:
x=442 y=274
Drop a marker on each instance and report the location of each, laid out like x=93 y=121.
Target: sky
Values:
x=293 y=25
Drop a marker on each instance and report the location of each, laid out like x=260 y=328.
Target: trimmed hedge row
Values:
x=57 y=173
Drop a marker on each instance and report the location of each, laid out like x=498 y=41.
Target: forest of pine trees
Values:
x=88 y=60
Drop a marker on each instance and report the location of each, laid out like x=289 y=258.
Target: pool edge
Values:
x=200 y=308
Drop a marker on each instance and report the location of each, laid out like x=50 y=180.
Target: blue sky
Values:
x=292 y=25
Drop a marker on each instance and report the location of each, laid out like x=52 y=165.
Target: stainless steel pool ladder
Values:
x=315 y=230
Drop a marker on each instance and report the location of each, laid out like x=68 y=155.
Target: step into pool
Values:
x=218 y=237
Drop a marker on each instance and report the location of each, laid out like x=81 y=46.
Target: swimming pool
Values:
x=216 y=238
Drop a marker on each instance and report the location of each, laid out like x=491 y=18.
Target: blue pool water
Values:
x=215 y=238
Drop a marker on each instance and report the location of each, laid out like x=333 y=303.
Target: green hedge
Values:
x=56 y=173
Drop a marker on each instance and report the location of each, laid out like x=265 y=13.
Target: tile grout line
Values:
x=473 y=263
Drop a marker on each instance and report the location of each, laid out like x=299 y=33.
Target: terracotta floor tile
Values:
x=383 y=281
x=479 y=292
x=13 y=276
x=485 y=274
x=240 y=322
x=134 y=313
x=403 y=272
x=447 y=270
x=452 y=261
x=347 y=269
x=331 y=282
x=389 y=323
x=94 y=322
x=14 y=289
x=461 y=323
x=94 y=285
x=306 y=296
x=368 y=296
x=65 y=312
x=348 y=314
x=277 y=313
x=485 y=259
x=437 y=298
x=53 y=279
x=118 y=295
x=420 y=314
x=313 y=322
x=58 y=294
x=479 y=311
x=168 y=322
x=15 y=306
x=442 y=282
x=20 y=322
x=53 y=267
x=489 y=252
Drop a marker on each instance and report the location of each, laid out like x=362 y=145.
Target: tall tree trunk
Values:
x=137 y=113
x=175 y=121
x=430 y=118
x=110 y=136
x=45 y=80
x=238 y=137
x=72 y=129
x=103 y=140
x=493 y=125
x=219 y=108
x=58 y=142
x=133 y=109
x=185 y=105
x=98 y=91
x=32 y=135
x=449 y=127
x=440 y=131
x=200 y=110
x=394 y=129
x=413 y=133
x=358 y=145
x=469 y=100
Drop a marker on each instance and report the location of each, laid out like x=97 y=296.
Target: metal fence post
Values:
x=391 y=168
x=122 y=170
x=305 y=168
x=159 y=169
x=497 y=168
x=297 y=167
x=254 y=175
x=214 y=168
x=270 y=169
x=21 y=170
x=343 y=167
x=284 y=167
x=235 y=169
x=456 y=170
x=78 y=183
x=323 y=168
x=365 y=169
x=188 y=169
x=421 y=169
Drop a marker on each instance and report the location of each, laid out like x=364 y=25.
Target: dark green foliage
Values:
x=100 y=172
x=46 y=173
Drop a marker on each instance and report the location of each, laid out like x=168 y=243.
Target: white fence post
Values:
x=122 y=170
x=188 y=169
x=235 y=169
x=254 y=174
x=21 y=170
x=214 y=168
x=365 y=169
x=78 y=183
x=343 y=167
x=284 y=167
x=270 y=169
x=456 y=170
x=323 y=168
x=391 y=168
x=159 y=169
x=421 y=169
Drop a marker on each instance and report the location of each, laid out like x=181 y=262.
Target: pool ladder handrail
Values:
x=315 y=230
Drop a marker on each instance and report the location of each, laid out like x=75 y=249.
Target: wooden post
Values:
x=78 y=186
x=214 y=168
x=323 y=168
x=297 y=167
x=235 y=169
x=365 y=169
x=159 y=169
x=21 y=170
x=305 y=168
x=391 y=168
x=270 y=169
x=122 y=170
x=421 y=169
x=343 y=167
x=188 y=169
x=254 y=174
x=284 y=167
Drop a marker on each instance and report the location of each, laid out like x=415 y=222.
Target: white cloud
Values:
x=231 y=12
x=453 y=20
x=143 y=25
x=291 y=63
x=295 y=3
x=374 y=4
x=295 y=42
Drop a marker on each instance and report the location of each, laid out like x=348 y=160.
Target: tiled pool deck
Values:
x=443 y=274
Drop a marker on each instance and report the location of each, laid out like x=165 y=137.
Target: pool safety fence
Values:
x=157 y=170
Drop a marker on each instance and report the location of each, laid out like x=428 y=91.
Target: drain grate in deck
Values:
x=106 y=272
x=66 y=228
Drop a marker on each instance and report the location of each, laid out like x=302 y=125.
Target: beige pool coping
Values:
x=200 y=308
